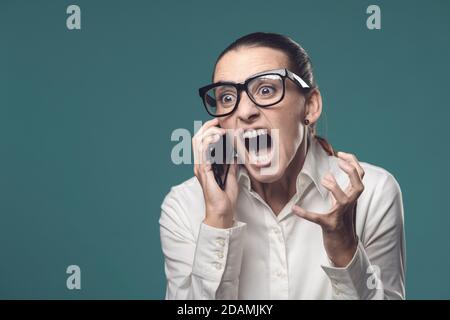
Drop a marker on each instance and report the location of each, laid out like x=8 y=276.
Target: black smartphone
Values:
x=221 y=155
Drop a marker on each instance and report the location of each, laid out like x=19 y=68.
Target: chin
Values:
x=268 y=174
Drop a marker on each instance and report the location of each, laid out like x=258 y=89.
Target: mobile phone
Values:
x=221 y=154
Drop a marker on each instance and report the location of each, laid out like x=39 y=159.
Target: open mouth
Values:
x=258 y=143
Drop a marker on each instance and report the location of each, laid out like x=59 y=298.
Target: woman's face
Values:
x=287 y=116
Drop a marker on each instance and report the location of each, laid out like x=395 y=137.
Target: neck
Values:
x=278 y=193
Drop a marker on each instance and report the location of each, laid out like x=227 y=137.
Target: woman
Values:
x=318 y=225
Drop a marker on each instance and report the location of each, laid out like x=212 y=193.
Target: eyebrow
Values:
x=221 y=89
x=251 y=76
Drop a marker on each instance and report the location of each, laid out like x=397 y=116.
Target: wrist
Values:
x=219 y=221
x=342 y=256
x=344 y=259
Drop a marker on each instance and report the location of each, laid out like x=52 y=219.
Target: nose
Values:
x=247 y=111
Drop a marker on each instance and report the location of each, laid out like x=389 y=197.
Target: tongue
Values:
x=259 y=151
x=259 y=157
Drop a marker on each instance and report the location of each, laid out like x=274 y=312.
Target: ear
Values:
x=313 y=108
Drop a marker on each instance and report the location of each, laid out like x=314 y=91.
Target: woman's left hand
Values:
x=338 y=225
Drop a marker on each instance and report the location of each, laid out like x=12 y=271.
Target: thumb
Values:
x=310 y=216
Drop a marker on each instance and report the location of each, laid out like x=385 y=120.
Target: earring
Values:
x=306 y=121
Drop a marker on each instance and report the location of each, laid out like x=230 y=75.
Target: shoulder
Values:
x=186 y=191
x=183 y=205
x=380 y=206
x=376 y=180
x=380 y=180
x=381 y=200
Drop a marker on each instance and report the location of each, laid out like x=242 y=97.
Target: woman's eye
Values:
x=227 y=99
x=265 y=91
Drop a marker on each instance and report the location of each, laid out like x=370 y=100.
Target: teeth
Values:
x=263 y=158
x=248 y=134
x=251 y=133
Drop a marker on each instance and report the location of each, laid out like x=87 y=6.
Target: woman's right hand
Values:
x=219 y=204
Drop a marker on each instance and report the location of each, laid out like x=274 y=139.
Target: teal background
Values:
x=86 y=118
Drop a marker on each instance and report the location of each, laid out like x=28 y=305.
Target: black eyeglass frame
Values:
x=243 y=86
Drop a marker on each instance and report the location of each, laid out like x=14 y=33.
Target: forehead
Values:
x=238 y=65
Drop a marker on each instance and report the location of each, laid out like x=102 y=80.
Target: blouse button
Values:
x=221 y=242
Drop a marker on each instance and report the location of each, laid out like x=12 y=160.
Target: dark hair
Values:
x=299 y=62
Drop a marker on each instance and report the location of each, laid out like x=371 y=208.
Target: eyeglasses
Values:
x=265 y=89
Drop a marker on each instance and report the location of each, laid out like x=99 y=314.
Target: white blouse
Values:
x=264 y=256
